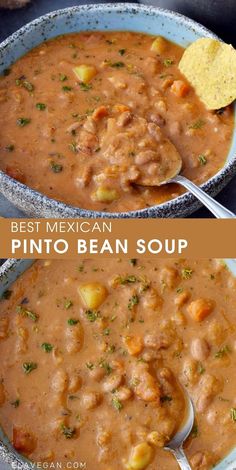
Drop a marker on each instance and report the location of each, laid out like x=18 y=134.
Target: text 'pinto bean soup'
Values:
x=94 y=357
x=84 y=115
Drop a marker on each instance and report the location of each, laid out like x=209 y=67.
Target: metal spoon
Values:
x=171 y=175
x=175 y=446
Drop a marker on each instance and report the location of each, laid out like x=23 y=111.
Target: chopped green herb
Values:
x=67 y=432
x=117 y=65
x=47 y=347
x=29 y=367
x=67 y=304
x=22 y=122
x=85 y=86
x=106 y=331
x=179 y=290
x=73 y=147
x=62 y=77
x=166 y=398
x=15 y=403
x=10 y=148
x=122 y=51
x=194 y=432
x=66 y=88
x=41 y=106
x=186 y=273
x=202 y=159
x=92 y=315
x=25 y=84
x=81 y=268
x=72 y=321
x=111 y=349
x=222 y=352
x=56 y=167
x=133 y=301
x=133 y=261
x=200 y=369
x=197 y=124
x=117 y=404
x=6 y=294
x=90 y=365
x=130 y=279
x=27 y=313
x=233 y=414
x=168 y=62
x=106 y=366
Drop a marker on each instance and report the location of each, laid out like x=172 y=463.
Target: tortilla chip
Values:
x=210 y=67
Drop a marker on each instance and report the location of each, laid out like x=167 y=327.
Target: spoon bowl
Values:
x=175 y=445
x=165 y=172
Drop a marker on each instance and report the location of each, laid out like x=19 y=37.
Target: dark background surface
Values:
x=218 y=15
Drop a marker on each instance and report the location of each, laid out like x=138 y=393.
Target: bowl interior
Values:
x=116 y=16
x=9 y=272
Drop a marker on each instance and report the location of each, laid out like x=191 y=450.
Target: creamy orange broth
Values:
x=81 y=383
x=85 y=143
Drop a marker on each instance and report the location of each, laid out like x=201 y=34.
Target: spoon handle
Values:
x=181 y=458
x=219 y=211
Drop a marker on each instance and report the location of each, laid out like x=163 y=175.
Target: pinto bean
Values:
x=123 y=394
x=145 y=157
x=59 y=381
x=182 y=298
x=152 y=299
x=74 y=338
x=90 y=400
x=200 y=349
x=124 y=119
x=146 y=386
x=209 y=387
x=97 y=373
x=155 y=342
x=169 y=277
x=112 y=382
x=75 y=383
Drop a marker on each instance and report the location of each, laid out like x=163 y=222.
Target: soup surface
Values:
x=93 y=355
x=85 y=115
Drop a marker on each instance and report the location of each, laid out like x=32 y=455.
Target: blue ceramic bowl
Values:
x=9 y=272
x=116 y=16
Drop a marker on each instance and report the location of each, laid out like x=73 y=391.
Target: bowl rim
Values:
x=212 y=185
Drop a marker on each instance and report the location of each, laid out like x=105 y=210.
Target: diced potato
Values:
x=103 y=194
x=134 y=344
x=141 y=456
x=159 y=45
x=92 y=294
x=85 y=73
x=200 y=309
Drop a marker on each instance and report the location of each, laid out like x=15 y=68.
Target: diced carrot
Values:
x=134 y=344
x=180 y=88
x=100 y=113
x=120 y=108
x=23 y=441
x=200 y=309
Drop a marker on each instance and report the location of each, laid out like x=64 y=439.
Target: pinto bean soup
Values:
x=94 y=358
x=83 y=115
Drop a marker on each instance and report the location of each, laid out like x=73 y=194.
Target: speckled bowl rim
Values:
x=9 y=271
x=37 y=204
